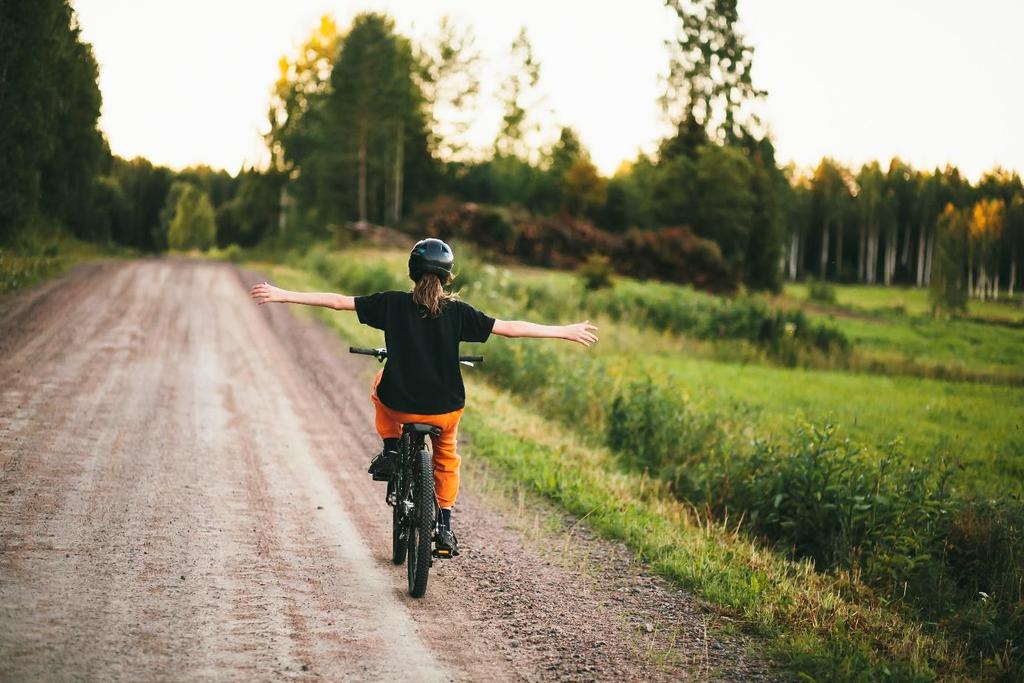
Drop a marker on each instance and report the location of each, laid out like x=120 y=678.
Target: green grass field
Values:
x=980 y=425
x=909 y=300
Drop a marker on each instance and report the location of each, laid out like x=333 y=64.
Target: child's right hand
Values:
x=265 y=292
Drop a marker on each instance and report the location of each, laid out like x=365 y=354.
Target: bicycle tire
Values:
x=420 y=538
x=398 y=536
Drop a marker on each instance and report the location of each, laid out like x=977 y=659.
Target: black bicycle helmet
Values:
x=431 y=256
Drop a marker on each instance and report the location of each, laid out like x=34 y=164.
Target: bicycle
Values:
x=410 y=493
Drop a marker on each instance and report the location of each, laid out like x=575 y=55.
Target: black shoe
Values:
x=446 y=543
x=383 y=465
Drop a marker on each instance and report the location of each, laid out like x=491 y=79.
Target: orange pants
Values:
x=446 y=460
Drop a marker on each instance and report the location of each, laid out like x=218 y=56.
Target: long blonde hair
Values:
x=430 y=296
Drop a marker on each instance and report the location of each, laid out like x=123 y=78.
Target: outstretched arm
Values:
x=581 y=333
x=266 y=293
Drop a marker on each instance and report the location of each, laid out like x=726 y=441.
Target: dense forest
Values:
x=366 y=125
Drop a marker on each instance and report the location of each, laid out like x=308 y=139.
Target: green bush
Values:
x=653 y=429
x=352 y=276
x=821 y=291
x=596 y=273
x=193 y=224
x=784 y=333
x=830 y=500
x=234 y=253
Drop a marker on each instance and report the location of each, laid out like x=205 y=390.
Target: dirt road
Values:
x=183 y=495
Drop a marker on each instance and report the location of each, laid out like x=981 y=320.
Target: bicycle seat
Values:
x=421 y=428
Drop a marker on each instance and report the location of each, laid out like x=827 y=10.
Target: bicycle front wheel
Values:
x=420 y=536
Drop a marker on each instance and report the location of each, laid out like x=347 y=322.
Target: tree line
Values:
x=59 y=173
x=885 y=225
x=366 y=125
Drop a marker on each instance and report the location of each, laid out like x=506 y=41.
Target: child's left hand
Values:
x=582 y=333
x=265 y=292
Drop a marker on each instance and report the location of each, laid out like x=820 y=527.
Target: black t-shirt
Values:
x=422 y=374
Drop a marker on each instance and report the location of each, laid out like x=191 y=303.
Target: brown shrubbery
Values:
x=672 y=254
x=675 y=255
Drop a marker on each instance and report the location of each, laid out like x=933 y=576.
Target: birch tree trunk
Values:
x=862 y=236
x=922 y=237
x=839 y=250
x=970 y=275
x=929 y=250
x=794 y=254
x=889 y=259
x=362 y=174
x=869 y=265
x=801 y=252
x=396 y=209
x=824 y=250
x=873 y=263
x=1013 y=273
x=282 y=209
x=905 y=256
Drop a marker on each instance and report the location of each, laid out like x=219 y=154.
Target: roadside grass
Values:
x=804 y=617
x=807 y=621
x=32 y=262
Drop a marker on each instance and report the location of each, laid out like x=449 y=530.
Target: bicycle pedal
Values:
x=443 y=554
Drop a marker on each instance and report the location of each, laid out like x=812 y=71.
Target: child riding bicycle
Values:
x=422 y=379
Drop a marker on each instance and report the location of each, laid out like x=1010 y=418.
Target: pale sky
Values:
x=932 y=81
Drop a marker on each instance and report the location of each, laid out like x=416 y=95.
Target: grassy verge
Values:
x=34 y=262
x=803 y=616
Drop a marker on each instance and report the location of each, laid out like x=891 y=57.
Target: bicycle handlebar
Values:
x=381 y=354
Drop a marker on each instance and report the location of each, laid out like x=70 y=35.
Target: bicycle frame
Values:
x=410 y=493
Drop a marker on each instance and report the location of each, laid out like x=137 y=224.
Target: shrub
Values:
x=193 y=222
x=673 y=254
x=561 y=242
x=821 y=292
x=676 y=255
x=596 y=273
x=785 y=334
x=234 y=253
x=351 y=276
x=654 y=429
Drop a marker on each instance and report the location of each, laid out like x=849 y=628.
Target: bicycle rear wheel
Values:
x=420 y=524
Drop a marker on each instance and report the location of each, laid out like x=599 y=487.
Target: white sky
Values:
x=931 y=81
